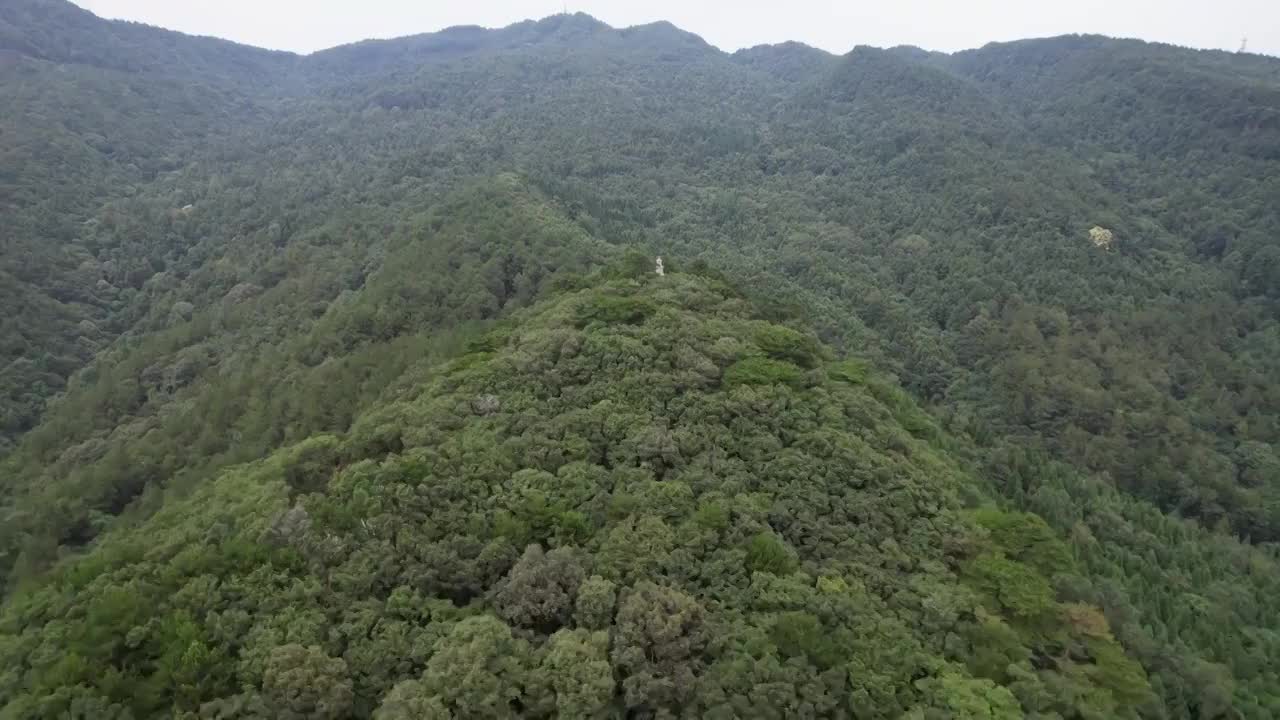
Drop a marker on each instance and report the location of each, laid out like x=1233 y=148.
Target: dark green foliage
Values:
x=633 y=265
x=313 y=461
x=478 y=670
x=540 y=590
x=268 y=398
x=1015 y=588
x=657 y=647
x=766 y=553
x=282 y=373
x=799 y=634
x=613 y=309
x=783 y=343
x=931 y=210
x=762 y=371
x=853 y=372
x=1026 y=538
x=595 y=604
x=709 y=559
x=300 y=682
x=576 y=667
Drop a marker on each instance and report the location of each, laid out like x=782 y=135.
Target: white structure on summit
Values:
x=658 y=267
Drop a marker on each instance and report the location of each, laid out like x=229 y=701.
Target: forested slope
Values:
x=213 y=252
x=93 y=113
x=633 y=496
x=249 y=370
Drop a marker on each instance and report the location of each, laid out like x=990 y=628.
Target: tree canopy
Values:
x=342 y=385
x=623 y=528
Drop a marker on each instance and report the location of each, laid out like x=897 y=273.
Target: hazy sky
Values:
x=307 y=25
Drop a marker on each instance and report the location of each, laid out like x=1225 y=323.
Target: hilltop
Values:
x=637 y=494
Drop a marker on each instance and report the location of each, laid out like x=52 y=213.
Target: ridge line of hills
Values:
x=220 y=291
x=70 y=14
x=630 y=445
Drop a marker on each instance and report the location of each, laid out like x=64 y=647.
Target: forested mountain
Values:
x=341 y=385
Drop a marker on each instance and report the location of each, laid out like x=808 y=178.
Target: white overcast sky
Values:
x=309 y=25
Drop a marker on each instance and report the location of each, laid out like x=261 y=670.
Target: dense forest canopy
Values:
x=341 y=385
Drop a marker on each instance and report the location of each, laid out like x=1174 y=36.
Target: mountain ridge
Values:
x=645 y=378
x=588 y=21
x=211 y=270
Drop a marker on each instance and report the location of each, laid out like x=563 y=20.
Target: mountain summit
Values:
x=634 y=496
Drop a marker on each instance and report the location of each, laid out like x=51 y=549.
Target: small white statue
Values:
x=658 y=267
